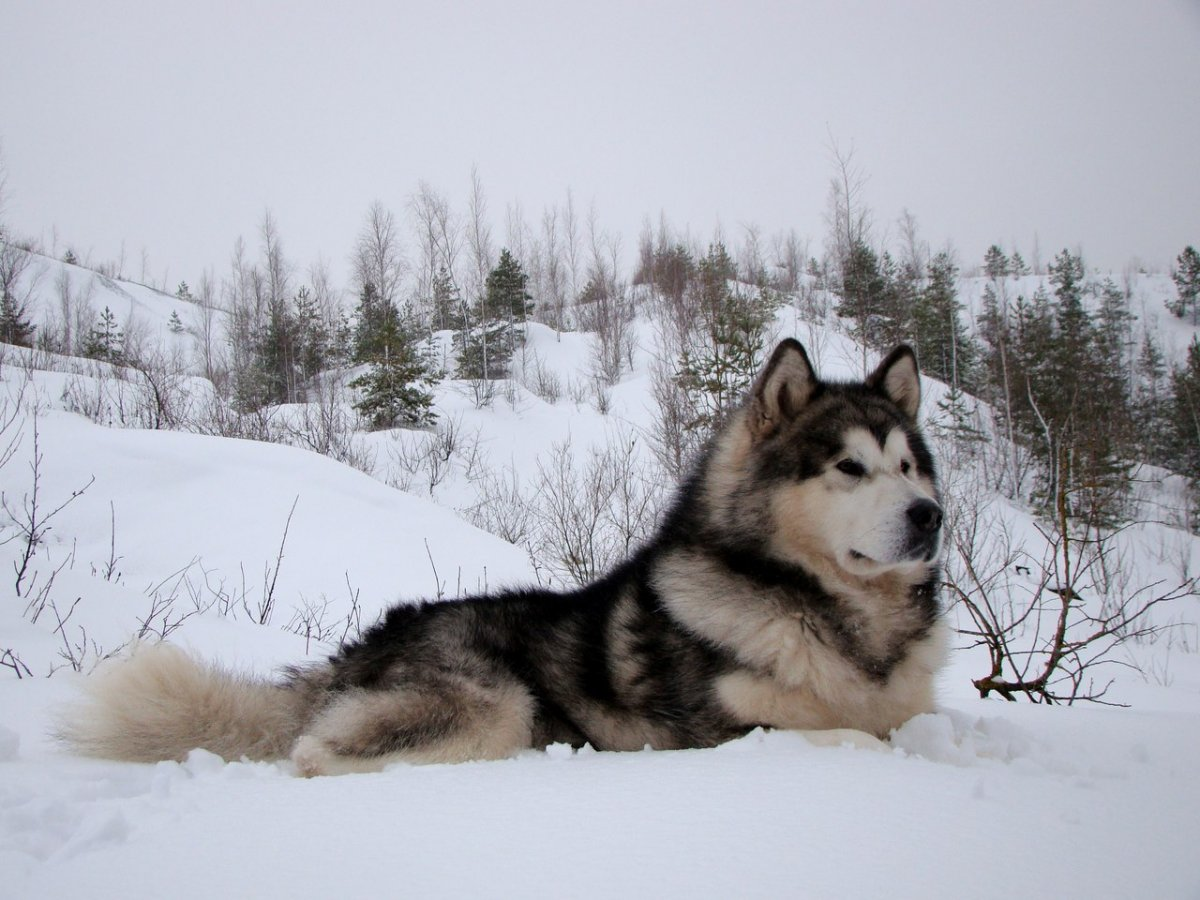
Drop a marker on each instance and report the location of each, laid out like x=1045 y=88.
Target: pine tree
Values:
x=278 y=356
x=447 y=303
x=1185 y=419
x=1083 y=410
x=1187 y=281
x=105 y=341
x=863 y=294
x=395 y=389
x=487 y=345
x=727 y=348
x=995 y=263
x=313 y=342
x=956 y=420
x=1151 y=418
x=15 y=324
x=174 y=323
x=945 y=347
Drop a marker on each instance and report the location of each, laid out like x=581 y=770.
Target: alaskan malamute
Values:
x=793 y=584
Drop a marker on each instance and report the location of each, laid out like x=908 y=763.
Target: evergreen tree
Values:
x=863 y=294
x=1185 y=419
x=1187 y=281
x=313 y=341
x=1016 y=265
x=1084 y=409
x=15 y=324
x=946 y=350
x=395 y=388
x=507 y=297
x=955 y=419
x=105 y=341
x=727 y=348
x=447 y=303
x=174 y=323
x=902 y=320
x=487 y=345
x=995 y=263
x=1151 y=417
x=278 y=357
x=674 y=269
x=372 y=313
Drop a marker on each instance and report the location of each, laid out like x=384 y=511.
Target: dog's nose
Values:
x=925 y=516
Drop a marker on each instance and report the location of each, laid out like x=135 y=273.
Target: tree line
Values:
x=1080 y=392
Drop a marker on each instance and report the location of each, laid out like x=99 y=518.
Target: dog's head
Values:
x=840 y=469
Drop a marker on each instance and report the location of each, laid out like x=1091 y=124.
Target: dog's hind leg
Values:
x=438 y=720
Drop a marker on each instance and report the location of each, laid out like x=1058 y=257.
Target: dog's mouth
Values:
x=925 y=552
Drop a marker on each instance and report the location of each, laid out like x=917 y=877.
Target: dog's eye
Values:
x=851 y=468
x=905 y=468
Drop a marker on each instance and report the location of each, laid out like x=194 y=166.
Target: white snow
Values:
x=980 y=799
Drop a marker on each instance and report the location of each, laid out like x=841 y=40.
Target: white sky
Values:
x=172 y=126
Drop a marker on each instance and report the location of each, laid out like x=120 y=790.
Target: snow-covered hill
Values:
x=203 y=537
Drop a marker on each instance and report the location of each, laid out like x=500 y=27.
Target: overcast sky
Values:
x=171 y=127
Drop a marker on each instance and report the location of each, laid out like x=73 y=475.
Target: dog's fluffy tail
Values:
x=162 y=702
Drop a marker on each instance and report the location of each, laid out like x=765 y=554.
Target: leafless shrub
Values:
x=608 y=310
x=482 y=392
x=590 y=515
x=265 y=608
x=10 y=660
x=673 y=441
x=312 y=621
x=429 y=456
x=215 y=417
x=163 y=617
x=1051 y=619
x=326 y=425
x=601 y=396
x=502 y=508
x=544 y=382
x=579 y=390
x=30 y=519
x=78 y=652
x=162 y=399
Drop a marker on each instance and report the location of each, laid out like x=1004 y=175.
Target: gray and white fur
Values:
x=792 y=584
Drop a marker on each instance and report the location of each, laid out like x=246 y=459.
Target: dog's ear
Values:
x=782 y=389
x=898 y=379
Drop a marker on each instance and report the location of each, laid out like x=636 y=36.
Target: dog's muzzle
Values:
x=924 y=529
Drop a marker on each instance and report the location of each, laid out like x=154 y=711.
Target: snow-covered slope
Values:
x=182 y=532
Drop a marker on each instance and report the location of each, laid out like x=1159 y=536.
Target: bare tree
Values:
x=751 y=264
x=553 y=277
x=276 y=268
x=479 y=240
x=847 y=216
x=572 y=249
x=377 y=258
x=439 y=238
x=790 y=255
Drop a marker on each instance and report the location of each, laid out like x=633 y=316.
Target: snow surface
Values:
x=981 y=799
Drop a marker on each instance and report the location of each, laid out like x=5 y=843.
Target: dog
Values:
x=792 y=584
